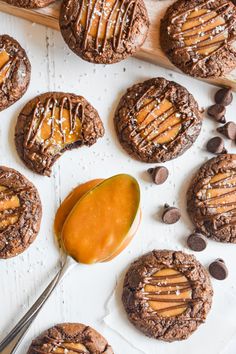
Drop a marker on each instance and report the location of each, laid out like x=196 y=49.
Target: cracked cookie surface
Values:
x=157 y=120
x=70 y=338
x=211 y=199
x=104 y=32
x=167 y=294
x=15 y=71
x=52 y=123
x=20 y=212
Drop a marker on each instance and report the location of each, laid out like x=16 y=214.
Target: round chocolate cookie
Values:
x=52 y=123
x=70 y=338
x=104 y=31
x=30 y=4
x=20 y=212
x=157 y=120
x=211 y=199
x=199 y=36
x=167 y=294
x=15 y=70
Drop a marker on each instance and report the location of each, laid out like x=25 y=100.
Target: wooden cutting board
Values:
x=150 y=51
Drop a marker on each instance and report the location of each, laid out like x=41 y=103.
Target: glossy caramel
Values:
x=158 y=121
x=69 y=202
x=103 y=221
x=100 y=20
x=52 y=136
x=105 y=20
x=203 y=30
x=168 y=292
x=219 y=194
x=4 y=65
x=9 y=204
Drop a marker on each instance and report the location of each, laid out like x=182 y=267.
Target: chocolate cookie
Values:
x=199 y=36
x=104 y=31
x=20 y=212
x=157 y=120
x=70 y=338
x=52 y=123
x=15 y=70
x=167 y=294
x=30 y=4
x=211 y=199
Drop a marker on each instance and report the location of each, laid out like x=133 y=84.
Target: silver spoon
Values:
x=11 y=342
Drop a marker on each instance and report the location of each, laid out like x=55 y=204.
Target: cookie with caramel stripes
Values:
x=70 y=338
x=167 y=294
x=199 y=36
x=211 y=199
x=15 y=70
x=52 y=123
x=20 y=212
x=104 y=31
x=157 y=120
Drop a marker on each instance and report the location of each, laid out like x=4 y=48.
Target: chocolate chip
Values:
x=159 y=174
x=196 y=242
x=170 y=215
x=216 y=145
x=228 y=130
x=217 y=111
x=218 y=269
x=224 y=96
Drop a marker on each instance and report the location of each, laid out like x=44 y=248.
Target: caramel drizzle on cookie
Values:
x=217 y=200
x=155 y=120
x=53 y=345
x=204 y=31
x=9 y=207
x=168 y=292
x=6 y=66
x=104 y=20
x=51 y=116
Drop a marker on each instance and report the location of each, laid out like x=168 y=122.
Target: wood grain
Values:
x=151 y=50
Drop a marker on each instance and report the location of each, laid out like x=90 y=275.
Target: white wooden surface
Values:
x=84 y=293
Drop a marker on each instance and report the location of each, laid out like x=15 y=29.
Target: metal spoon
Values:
x=11 y=342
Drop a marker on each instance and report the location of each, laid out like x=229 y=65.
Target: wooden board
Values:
x=150 y=51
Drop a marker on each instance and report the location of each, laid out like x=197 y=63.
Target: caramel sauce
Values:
x=168 y=292
x=204 y=31
x=106 y=19
x=60 y=123
x=71 y=348
x=102 y=222
x=5 y=64
x=69 y=202
x=219 y=194
x=102 y=16
x=54 y=126
x=9 y=203
x=158 y=122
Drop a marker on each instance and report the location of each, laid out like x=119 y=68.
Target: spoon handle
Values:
x=11 y=342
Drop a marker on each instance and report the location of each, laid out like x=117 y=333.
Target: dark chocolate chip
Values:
x=170 y=215
x=228 y=130
x=224 y=96
x=159 y=174
x=218 y=269
x=196 y=242
x=216 y=145
x=217 y=111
